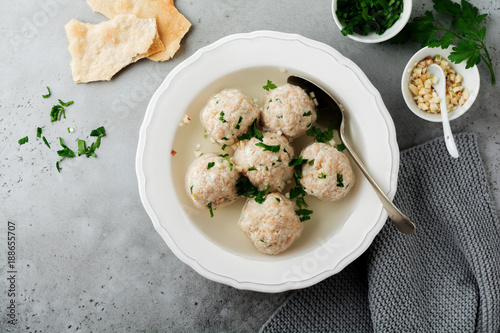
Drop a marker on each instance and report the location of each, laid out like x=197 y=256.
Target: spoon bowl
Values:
x=330 y=110
x=439 y=85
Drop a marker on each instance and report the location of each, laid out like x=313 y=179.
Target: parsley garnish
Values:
x=245 y=188
x=226 y=157
x=237 y=126
x=304 y=214
x=273 y=149
x=223 y=146
x=221 y=118
x=66 y=151
x=48 y=95
x=90 y=151
x=59 y=110
x=56 y=113
x=278 y=199
x=210 y=165
x=83 y=150
x=298 y=194
x=323 y=176
x=269 y=86
x=191 y=189
x=253 y=131
x=252 y=168
x=100 y=131
x=65 y=104
x=467 y=33
x=38 y=132
x=311 y=162
x=319 y=135
x=341 y=147
x=307 y=114
x=365 y=16
x=340 y=180
x=261 y=196
x=46 y=142
x=297 y=161
x=211 y=210
x=22 y=141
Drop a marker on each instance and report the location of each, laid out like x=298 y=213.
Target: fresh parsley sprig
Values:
x=467 y=33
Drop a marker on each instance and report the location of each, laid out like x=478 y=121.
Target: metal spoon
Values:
x=440 y=87
x=336 y=114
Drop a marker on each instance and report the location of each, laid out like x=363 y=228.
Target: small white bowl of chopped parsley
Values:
x=371 y=21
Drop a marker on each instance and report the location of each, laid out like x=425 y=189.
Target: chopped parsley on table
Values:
x=22 y=141
x=56 y=113
x=90 y=151
x=46 y=142
x=66 y=152
x=48 y=95
x=65 y=104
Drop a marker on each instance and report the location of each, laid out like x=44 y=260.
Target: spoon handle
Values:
x=448 y=135
x=401 y=222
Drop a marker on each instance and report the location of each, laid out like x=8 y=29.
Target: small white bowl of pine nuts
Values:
x=462 y=85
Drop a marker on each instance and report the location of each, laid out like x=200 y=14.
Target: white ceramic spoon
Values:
x=440 y=87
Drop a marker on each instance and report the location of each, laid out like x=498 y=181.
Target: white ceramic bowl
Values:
x=337 y=233
x=470 y=81
x=373 y=37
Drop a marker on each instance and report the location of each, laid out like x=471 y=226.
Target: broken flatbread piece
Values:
x=172 y=25
x=99 y=51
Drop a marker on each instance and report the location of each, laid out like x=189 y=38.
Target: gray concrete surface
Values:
x=87 y=257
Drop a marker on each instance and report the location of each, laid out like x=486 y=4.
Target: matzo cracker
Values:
x=99 y=51
x=172 y=25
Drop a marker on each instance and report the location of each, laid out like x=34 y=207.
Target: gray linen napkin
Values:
x=443 y=278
